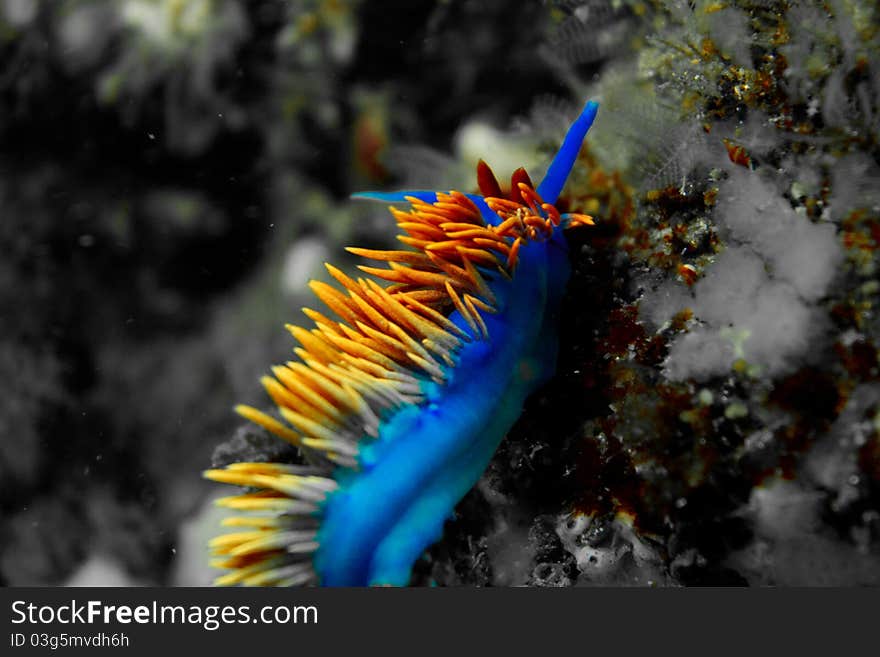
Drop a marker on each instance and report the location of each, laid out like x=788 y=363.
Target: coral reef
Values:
x=721 y=365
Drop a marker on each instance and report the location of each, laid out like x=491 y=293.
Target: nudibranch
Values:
x=399 y=403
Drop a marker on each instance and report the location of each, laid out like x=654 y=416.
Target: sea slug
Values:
x=400 y=402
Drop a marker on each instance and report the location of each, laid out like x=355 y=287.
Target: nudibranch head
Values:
x=398 y=403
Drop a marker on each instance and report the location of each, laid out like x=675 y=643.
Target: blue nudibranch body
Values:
x=399 y=406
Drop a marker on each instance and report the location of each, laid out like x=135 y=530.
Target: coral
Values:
x=791 y=549
x=753 y=302
x=610 y=552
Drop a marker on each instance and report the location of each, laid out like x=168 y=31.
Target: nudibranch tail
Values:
x=278 y=535
x=398 y=402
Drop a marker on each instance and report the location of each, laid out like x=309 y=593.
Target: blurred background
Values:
x=173 y=172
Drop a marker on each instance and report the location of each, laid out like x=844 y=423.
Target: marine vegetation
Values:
x=398 y=408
